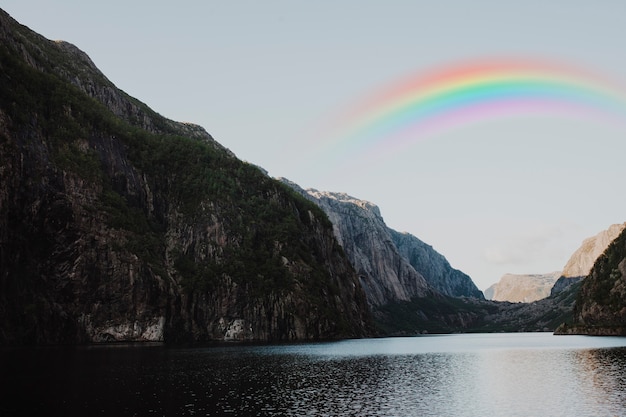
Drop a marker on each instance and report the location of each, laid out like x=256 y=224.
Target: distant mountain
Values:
x=117 y=224
x=532 y=287
x=541 y=315
x=548 y=313
x=580 y=263
x=518 y=288
x=601 y=304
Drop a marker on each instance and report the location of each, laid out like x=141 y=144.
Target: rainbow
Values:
x=462 y=94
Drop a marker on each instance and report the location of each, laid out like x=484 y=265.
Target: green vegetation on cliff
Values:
x=189 y=170
x=601 y=304
x=118 y=224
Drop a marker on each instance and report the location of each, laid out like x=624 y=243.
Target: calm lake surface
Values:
x=527 y=374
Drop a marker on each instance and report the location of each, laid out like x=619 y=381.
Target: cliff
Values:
x=601 y=304
x=409 y=286
x=580 y=263
x=434 y=267
x=522 y=288
x=392 y=266
x=117 y=224
x=528 y=288
x=361 y=231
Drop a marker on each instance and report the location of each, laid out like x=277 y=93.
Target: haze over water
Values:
x=531 y=374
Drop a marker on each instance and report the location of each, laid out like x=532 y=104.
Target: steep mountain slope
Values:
x=446 y=314
x=388 y=257
x=522 y=288
x=384 y=274
x=434 y=267
x=548 y=313
x=119 y=224
x=580 y=263
x=402 y=299
x=601 y=304
x=529 y=288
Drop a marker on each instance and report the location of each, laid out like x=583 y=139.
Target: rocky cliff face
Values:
x=403 y=299
x=434 y=267
x=580 y=263
x=529 y=288
x=384 y=274
x=601 y=304
x=392 y=266
x=117 y=224
x=551 y=312
x=522 y=288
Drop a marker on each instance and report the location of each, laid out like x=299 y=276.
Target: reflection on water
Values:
x=460 y=375
x=605 y=372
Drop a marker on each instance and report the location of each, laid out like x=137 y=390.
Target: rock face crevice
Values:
x=117 y=224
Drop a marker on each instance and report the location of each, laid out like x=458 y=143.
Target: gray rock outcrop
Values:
x=434 y=267
x=580 y=263
x=392 y=266
x=522 y=288
x=532 y=287
x=360 y=229
x=601 y=304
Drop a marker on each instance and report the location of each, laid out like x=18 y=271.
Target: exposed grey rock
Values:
x=601 y=304
x=360 y=229
x=392 y=266
x=522 y=288
x=434 y=267
x=562 y=283
x=532 y=287
x=489 y=292
x=580 y=263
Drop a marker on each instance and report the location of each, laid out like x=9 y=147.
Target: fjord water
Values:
x=521 y=374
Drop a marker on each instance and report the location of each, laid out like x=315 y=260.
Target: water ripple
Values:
x=461 y=375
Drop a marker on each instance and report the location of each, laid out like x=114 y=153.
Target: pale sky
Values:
x=514 y=195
